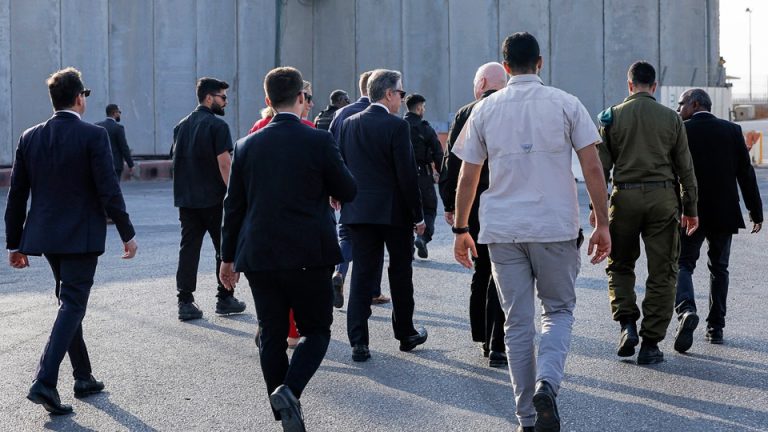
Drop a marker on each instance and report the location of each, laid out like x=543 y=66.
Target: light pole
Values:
x=749 y=14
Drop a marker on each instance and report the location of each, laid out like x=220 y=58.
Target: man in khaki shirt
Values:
x=646 y=146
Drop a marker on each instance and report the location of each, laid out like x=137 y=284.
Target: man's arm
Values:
x=18 y=195
x=594 y=177
x=604 y=152
x=745 y=176
x=225 y=164
x=469 y=177
x=123 y=145
x=405 y=170
x=341 y=185
x=683 y=167
x=235 y=207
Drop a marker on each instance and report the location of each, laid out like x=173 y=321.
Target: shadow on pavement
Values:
x=121 y=416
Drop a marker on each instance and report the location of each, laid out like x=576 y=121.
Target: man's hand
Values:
x=228 y=276
x=449 y=218
x=130 y=171
x=420 y=228
x=436 y=177
x=335 y=204
x=129 y=249
x=462 y=243
x=18 y=260
x=756 y=227
x=592 y=218
x=690 y=223
x=600 y=244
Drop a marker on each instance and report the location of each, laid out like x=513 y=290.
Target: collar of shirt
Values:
x=701 y=112
x=526 y=78
x=381 y=105
x=110 y=118
x=639 y=95
x=488 y=93
x=291 y=113
x=365 y=99
x=71 y=112
x=204 y=108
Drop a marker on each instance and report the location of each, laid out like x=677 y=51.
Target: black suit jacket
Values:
x=376 y=146
x=345 y=113
x=277 y=214
x=449 y=177
x=118 y=143
x=66 y=165
x=721 y=161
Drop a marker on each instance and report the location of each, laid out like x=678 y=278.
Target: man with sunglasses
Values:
x=376 y=146
x=120 y=150
x=201 y=151
x=66 y=166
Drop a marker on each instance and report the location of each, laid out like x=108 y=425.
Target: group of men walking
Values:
x=268 y=201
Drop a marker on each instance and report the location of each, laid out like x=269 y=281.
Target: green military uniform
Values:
x=646 y=146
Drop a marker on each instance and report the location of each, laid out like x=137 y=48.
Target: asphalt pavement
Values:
x=204 y=375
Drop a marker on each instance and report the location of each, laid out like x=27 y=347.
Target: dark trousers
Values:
x=345 y=243
x=368 y=251
x=73 y=274
x=718 y=252
x=119 y=173
x=309 y=294
x=428 y=202
x=486 y=318
x=195 y=222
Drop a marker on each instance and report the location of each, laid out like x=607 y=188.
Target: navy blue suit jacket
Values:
x=346 y=112
x=66 y=165
x=376 y=146
x=721 y=162
x=277 y=214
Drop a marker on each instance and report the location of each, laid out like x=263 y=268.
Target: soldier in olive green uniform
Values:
x=646 y=146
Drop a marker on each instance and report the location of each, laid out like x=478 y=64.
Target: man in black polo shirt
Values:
x=201 y=161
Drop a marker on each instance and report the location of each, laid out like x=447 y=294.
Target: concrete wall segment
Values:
x=7 y=140
x=334 y=50
x=530 y=16
x=683 y=36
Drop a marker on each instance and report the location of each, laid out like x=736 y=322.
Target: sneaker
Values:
x=189 y=311
x=684 y=335
x=229 y=305
x=338 y=290
x=421 y=248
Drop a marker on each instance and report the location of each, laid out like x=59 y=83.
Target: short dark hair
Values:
x=380 y=81
x=337 y=96
x=364 y=81
x=283 y=85
x=642 y=73
x=701 y=97
x=414 y=99
x=111 y=109
x=207 y=85
x=64 y=86
x=521 y=51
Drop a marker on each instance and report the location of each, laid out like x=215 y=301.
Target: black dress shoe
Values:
x=338 y=290
x=189 y=311
x=229 y=305
x=497 y=359
x=628 y=340
x=484 y=348
x=87 y=387
x=360 y=353
x=421 y=248
x=547 y=417
x=48 y=397
x=525 y=429
x=684 y=335
x=649 y=354
x=413 y=341
x=284 y=402
x=714 y=336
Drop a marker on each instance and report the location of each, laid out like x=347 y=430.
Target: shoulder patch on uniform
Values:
x=605 y=118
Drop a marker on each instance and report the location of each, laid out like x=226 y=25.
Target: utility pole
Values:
x=749 y=14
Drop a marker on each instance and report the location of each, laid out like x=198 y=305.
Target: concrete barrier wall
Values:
x=146 y=55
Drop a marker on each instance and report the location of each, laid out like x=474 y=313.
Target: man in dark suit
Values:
x=722 y=166
x=345 y=238
x=486 y=318
x=279 y=230
x=376 y=146
x=66 y=165
x=117 y=141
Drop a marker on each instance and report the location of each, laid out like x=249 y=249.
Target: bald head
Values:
x=490 y=76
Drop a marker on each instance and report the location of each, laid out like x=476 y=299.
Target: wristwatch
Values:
x=461 y=230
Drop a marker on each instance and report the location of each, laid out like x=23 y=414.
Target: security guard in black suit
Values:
x=429 y=156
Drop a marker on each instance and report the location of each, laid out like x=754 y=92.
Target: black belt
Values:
x=645 y=185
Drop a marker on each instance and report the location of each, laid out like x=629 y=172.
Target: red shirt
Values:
x=265 y=121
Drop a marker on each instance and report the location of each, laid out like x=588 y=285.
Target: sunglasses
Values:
x=222 y=96
x=402 y=93
x=308 y=97
x=85 y=92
